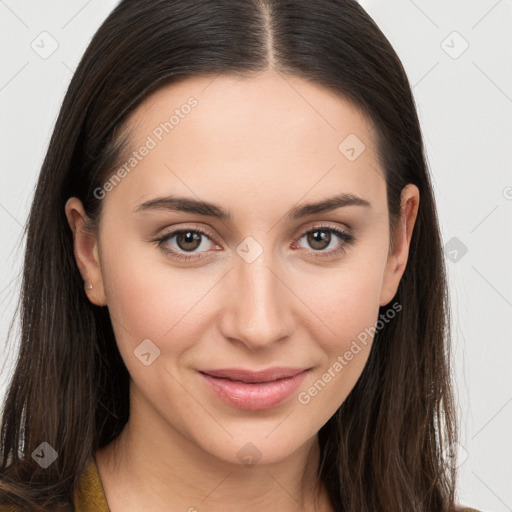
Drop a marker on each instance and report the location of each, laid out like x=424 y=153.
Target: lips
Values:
x=251 y=377
x=253 y=390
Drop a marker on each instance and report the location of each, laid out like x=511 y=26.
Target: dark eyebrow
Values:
x=184 y=204
x=327 y=205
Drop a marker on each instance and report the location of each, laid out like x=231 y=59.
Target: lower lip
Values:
x=254 y=397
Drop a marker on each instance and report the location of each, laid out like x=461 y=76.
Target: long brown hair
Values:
x=384 y=447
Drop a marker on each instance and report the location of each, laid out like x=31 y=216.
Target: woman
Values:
x=296 y=355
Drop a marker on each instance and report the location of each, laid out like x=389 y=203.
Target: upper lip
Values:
x=251 y=376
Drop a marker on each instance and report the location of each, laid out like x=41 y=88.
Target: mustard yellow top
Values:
x=90 y=495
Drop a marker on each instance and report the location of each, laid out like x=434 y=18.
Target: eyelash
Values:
x=343 y=236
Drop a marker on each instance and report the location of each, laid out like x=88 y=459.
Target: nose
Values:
x=258 y=305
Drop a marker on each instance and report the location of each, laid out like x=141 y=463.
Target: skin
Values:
x=257 y=147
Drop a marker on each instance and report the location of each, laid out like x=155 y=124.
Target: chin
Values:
x=256 y=448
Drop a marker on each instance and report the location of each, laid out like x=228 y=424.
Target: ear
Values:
x=397 y=258
x=86 y=249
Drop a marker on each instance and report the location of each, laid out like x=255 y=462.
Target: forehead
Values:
x=238 y=136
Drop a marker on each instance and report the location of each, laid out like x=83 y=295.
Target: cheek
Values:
x=345 y=348
x=149 y=299
x=346 y=300
x=348 y=306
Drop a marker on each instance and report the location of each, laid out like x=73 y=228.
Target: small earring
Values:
x=89 y=287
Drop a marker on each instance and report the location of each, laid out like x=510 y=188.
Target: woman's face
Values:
x=268 y=285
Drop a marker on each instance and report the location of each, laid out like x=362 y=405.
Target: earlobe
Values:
x=85 y=248
x=397 y=259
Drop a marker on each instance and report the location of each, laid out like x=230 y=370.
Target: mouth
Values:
x=254 y=390
x=252 y=377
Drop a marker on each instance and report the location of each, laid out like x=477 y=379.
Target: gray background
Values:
x=458 y=57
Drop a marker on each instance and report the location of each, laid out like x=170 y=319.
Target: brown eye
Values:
x=319 y=239
x=188 y=240
x=179 y=242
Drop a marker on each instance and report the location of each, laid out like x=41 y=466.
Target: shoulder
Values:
x=466 y=509
x=89 y=495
